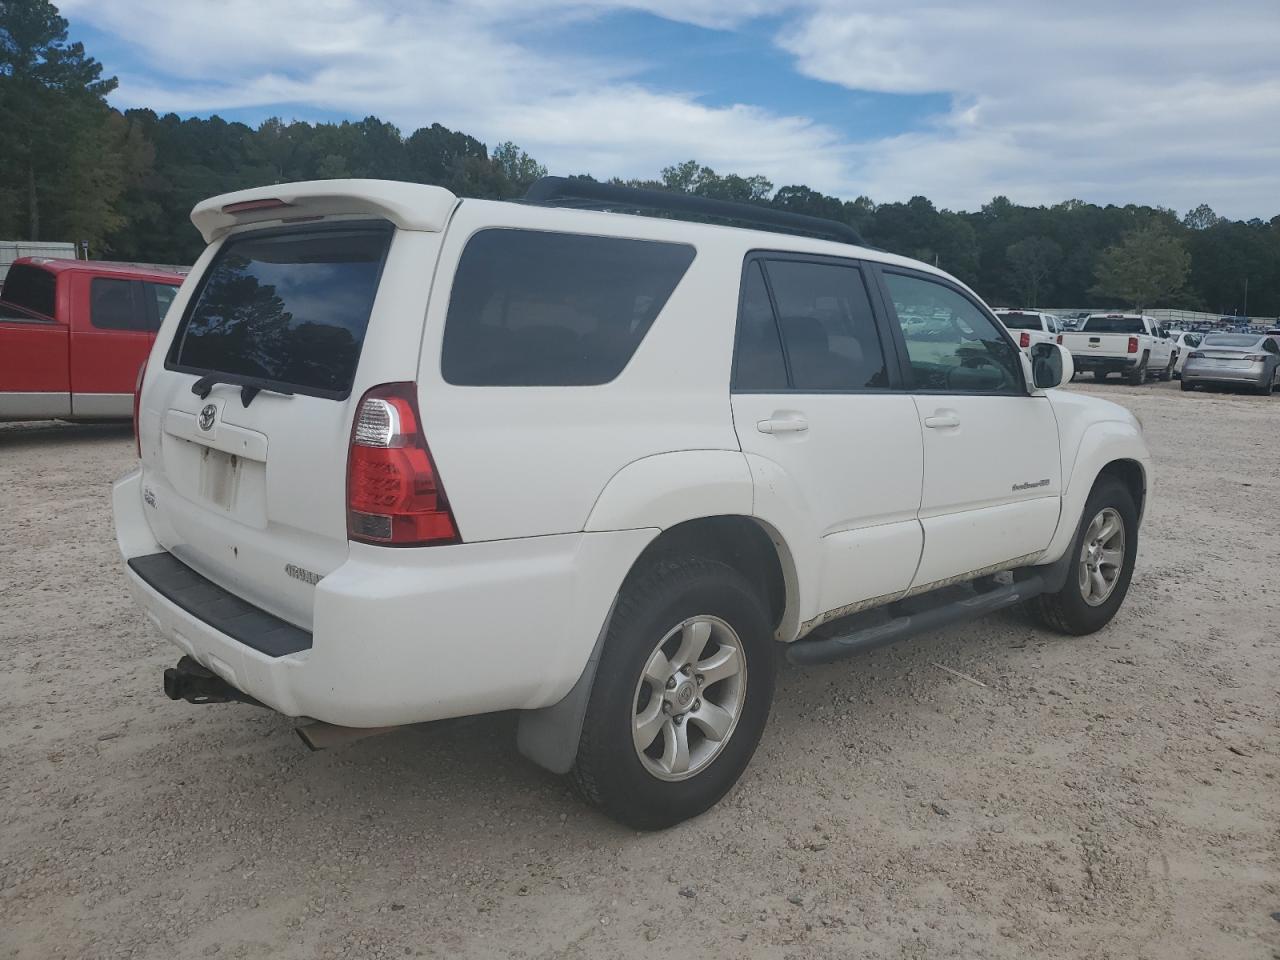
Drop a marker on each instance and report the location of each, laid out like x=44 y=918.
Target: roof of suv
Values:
x=416 y=206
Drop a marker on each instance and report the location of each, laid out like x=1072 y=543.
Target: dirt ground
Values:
x=1111 y=796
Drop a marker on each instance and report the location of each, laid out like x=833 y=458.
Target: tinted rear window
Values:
x=1232 y=340
x=30 y=287
x=532 y=308
x=1114 y=325
x=289 y=308
x=1020 y=321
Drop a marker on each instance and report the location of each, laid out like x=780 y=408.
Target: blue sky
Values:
x=1153 y=101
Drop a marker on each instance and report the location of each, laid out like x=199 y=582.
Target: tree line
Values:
x=74 y=168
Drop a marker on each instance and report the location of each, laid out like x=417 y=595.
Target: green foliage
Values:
x=72 y=168
x=1032 y=262
x=1146 y=268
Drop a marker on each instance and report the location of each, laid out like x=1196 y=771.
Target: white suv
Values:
x=406 y=457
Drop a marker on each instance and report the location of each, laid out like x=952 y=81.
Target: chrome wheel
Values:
x=1101 y=557
x=689 y=698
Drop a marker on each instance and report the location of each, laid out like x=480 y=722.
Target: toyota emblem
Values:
x=207 y=416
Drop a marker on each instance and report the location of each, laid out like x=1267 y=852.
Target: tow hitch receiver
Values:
x=195 y=684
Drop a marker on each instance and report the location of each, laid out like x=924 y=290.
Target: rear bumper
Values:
x=1109 y=364
x=1196 y=372
x=405 y=636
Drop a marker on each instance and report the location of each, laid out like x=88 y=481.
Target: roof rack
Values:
x=591 y=195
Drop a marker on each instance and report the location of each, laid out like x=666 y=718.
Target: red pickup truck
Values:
x=73 y=334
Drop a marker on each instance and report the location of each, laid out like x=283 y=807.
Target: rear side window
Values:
x=30 y=287
x=827 y=326
x=532 y=308
x=288 y=308
x=117 y=305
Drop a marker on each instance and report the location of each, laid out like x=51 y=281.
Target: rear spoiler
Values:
x=410 y=206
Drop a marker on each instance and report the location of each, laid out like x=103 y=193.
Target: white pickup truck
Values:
x=1030 y=327
x=1128 y=343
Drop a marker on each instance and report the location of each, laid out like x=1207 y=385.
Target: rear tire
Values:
x=661 y=615
x=1081 y=607
x=1138 y=375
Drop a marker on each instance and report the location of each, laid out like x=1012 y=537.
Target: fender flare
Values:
x=1100 y=444
x=708 y=483
x=639 y=496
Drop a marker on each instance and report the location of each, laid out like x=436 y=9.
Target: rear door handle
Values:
x=942 y=419
x=783 y=425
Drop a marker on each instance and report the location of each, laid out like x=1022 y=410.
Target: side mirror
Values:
x=1051 y=366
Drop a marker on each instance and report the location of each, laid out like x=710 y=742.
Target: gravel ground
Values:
x=1108 y=796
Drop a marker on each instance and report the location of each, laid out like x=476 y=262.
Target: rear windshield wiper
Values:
x=250 y=387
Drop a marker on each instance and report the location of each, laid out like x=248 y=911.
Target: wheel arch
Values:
x=549 y=736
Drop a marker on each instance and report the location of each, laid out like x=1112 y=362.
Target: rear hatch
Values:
x=248 y=399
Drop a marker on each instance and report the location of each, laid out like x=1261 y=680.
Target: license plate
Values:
x=219 y=477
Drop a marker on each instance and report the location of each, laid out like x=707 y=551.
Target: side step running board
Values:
x=826 y=649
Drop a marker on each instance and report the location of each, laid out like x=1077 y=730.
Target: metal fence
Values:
x=1169 y=318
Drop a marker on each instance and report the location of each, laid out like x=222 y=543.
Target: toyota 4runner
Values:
x=406 y=457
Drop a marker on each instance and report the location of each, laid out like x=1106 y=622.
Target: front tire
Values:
x=681 y=695
x=1103 y=554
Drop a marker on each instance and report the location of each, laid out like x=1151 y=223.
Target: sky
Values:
x=1164 y=102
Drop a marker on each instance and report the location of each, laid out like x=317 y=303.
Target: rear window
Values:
x=30 y=287
x=1114 y=325
x=1231 y=340
x=288 y=308
x=532 y=308
x=1019 y=321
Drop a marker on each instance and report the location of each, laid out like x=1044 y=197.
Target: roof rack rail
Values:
x=592 y=195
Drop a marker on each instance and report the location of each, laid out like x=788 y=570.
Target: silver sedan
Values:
x=1240 y=359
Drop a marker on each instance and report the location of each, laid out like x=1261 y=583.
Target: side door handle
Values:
x=942 y=419
x=783 y=425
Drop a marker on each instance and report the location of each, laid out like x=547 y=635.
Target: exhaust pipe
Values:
x=196 y=684
x=323 y=736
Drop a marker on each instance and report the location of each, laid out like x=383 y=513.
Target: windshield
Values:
x=290 y=308
x=1114 y=325
x=1020 y=321
x=1231 y=340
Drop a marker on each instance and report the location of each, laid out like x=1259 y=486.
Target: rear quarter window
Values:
x=285 y=307
x=31 y=288
x=534 y=308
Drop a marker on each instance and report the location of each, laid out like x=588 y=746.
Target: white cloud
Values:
x=1155 y=101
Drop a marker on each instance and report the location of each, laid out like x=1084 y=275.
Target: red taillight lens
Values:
x=394 y=496
x=1133 y=344
x=1024 y=341
x=137 y=406
x=1195 y=355
x=1059 y=338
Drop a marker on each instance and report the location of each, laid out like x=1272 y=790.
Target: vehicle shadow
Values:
x=52 y=432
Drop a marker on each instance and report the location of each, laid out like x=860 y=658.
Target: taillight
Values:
x=1059 y=339
x=1024 y=341
x=1255 y=357
x=244 y=206
x=1195 y=355
x=1133 y=344
x=137 y=406
x=394 y=495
